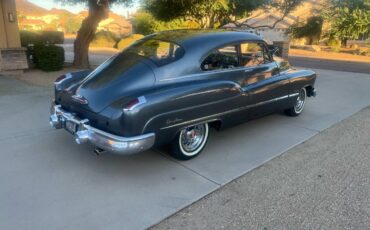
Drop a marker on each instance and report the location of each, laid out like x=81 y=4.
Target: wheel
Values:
x=190 y=141
x=299 y=104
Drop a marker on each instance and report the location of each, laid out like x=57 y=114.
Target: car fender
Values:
x=299 y=79
x=174 y=107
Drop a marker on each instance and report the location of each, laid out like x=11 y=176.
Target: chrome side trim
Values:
x=238 y=68
x=293 y=95
x=229 y=111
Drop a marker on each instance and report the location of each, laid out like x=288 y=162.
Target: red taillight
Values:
x=131 y=104
x=134 y=103
x=60 y=78
x=80 y=99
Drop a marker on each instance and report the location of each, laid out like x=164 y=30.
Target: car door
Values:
x=223 y=64
x=268 y=89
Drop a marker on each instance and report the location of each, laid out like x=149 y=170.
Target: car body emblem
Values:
x=80 y=99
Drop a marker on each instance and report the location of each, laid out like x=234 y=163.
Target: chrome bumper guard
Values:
x=85 y=133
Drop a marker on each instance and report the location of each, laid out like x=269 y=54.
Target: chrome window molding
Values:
x=238 y=68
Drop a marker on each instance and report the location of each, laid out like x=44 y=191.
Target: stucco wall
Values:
x=12 y=56
x=9 y=33
x=3 y=40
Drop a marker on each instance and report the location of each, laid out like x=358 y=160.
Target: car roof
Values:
x=194 y=37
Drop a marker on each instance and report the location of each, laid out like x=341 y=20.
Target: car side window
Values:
x=253 y=54
x=222 y=58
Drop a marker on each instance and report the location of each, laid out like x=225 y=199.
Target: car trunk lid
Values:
x=119 y=77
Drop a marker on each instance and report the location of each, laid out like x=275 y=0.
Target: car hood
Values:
x=119 y=77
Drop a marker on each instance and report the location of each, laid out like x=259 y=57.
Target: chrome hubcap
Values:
x=191 y=138
x=301 y=100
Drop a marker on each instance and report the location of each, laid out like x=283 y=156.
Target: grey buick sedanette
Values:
x=170 y=88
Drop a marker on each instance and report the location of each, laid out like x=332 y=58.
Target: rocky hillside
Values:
x=28 y=8
x=34 y=17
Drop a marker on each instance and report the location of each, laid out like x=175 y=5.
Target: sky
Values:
x=119 y=9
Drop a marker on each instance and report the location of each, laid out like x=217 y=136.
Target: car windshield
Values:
x=160 y=52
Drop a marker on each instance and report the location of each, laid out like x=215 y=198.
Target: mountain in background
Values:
x=34 y=17
x=28 y=8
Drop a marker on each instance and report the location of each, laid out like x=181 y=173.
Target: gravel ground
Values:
x=324 y=183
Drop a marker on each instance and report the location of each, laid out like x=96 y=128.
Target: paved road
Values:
x=94 y=58
x=347 y=66
x=48 y=182
x=323 y=183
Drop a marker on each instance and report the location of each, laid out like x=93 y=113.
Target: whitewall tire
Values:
x=190 y=141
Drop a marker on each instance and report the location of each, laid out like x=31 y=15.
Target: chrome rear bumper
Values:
x=109 y=142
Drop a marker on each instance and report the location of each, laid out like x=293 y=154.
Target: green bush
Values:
x=125 y=42
x=49 y=57
x=52 y=37
x=311 y=30
x=104 y=39
x=41 y=37
x=30 y=37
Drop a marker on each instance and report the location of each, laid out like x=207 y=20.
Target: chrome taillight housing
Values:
x=62 y=78
x=134 y=103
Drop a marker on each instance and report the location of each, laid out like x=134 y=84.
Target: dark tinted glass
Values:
x=160 y=52
x=223 y=58
x=253 y=54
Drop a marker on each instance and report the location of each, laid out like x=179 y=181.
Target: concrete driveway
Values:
x=48 y=182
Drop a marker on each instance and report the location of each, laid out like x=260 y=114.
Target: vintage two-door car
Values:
x=169 y=88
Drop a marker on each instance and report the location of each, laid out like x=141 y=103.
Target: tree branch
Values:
x=286 y=8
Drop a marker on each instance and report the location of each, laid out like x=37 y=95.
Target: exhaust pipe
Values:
x=98 y=151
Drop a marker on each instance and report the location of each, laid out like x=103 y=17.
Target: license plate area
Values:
x=71 y=127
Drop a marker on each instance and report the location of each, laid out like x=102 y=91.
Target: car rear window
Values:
x=160 y=52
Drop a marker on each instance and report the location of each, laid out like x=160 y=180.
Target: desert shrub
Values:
x=104 y=39
x=49 y=57
x=125 y=42
x=334 y=44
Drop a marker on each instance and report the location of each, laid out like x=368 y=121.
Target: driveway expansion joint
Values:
x=186 y=167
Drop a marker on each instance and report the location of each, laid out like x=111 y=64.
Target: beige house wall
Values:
x=3 y=39
x=9 y=31
x=12 y=55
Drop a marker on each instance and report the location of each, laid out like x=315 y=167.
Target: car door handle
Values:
x=248 y=70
